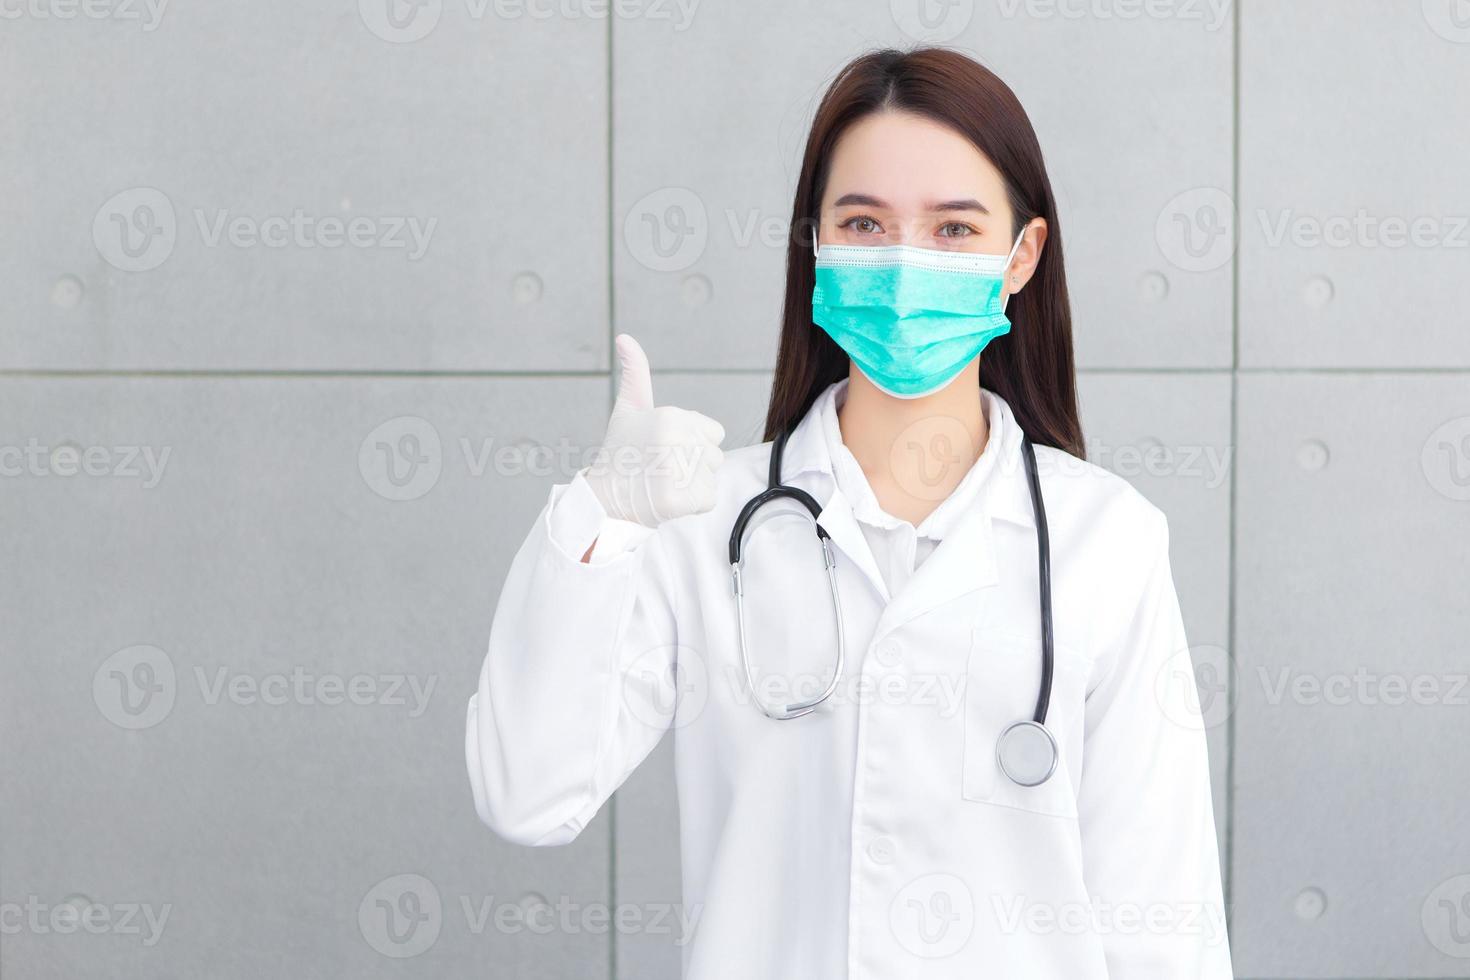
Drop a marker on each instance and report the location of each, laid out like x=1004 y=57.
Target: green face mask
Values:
x=910 y=318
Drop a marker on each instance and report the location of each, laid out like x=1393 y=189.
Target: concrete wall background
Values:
x=307 y=305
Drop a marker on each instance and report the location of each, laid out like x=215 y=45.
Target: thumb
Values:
x=635 y=383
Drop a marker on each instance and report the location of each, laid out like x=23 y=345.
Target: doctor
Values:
x=927 y=677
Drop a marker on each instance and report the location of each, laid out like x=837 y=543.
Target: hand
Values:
x=656 y=463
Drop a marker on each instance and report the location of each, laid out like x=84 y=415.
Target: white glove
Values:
x=656 y=463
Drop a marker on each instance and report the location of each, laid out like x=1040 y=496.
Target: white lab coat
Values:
x=876 y=839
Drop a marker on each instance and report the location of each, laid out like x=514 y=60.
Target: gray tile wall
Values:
x=307 y=306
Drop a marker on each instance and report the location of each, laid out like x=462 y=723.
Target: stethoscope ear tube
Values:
x=775 y=490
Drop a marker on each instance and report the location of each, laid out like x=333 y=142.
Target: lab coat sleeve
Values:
x=1148 y=832
x=576 y=687
x=576 y=519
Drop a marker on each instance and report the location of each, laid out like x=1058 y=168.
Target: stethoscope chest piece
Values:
x=1027 y=753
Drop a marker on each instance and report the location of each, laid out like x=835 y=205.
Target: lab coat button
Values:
x=881 y=850
x=890 y=653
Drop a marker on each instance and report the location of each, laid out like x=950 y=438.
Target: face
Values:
x=901 y=179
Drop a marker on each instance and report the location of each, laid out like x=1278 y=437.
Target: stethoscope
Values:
x=1025 y=751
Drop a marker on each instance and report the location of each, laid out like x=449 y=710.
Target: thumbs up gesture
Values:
x=656 y=463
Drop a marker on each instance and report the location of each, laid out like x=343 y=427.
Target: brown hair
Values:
x=1031 y=367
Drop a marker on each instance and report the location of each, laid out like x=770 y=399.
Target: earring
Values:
x=1015 y=279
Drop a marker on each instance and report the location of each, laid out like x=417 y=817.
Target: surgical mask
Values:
x=910 y=318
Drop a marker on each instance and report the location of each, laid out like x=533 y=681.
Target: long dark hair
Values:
x=1031 y=367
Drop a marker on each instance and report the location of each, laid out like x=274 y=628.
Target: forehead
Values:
x=908 y=161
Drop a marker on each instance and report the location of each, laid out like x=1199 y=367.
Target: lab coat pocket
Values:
x=1003 y=678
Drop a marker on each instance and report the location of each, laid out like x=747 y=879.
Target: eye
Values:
x=955 y=229
x=863 y=225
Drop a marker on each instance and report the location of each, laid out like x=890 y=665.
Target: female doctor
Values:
x=924 y=671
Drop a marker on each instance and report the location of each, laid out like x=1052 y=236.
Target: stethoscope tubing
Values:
x=776 y=490
x=1043 y=577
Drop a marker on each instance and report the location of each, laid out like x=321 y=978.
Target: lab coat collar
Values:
x=1004 y=493
x=964 y=560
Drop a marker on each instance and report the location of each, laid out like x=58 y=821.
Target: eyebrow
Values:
x=868 y=200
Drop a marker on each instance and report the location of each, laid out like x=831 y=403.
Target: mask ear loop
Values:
x=1007 y=267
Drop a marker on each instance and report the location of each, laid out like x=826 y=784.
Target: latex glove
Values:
x=656 y=463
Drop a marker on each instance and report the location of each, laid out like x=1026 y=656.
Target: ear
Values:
x=1028 y=256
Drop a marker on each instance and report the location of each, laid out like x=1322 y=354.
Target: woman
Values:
x=935 y=796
